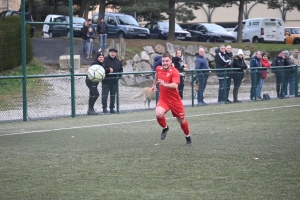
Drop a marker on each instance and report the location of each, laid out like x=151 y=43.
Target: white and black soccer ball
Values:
x=96 y=73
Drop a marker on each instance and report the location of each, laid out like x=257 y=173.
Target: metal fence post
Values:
x=192 y=85
x=72 y=58
x=23 y=43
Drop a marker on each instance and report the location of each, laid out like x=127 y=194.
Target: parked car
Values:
x=262 y=30
x=122 y=26
x=55 y=30
x=210 y=33
x=63 y=29
x=77 y=25
x=292 y=35
x=160 y=30
x=28 y=18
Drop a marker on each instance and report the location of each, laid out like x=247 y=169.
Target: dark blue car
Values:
x=160 y=30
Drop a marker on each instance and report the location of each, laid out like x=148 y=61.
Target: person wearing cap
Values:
x=266 y=64
x=94 y=93
x=237 y=75
x=110 y=82
x=102 y=30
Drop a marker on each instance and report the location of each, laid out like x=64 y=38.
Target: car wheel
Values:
x=255 y=40
x=121 y=35
x=297 y=41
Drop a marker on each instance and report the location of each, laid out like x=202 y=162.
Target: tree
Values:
x=240 y=3
x=284 y=6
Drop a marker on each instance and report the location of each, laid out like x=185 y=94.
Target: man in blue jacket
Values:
x=202 y=76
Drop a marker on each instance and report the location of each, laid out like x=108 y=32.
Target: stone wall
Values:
x=143 y=62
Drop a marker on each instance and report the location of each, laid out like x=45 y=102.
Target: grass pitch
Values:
x=240 y=151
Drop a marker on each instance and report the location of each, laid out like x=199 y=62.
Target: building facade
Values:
x=9 y=4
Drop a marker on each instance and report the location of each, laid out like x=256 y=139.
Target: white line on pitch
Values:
x=130 y=122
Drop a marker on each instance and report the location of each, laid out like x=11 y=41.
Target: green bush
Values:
x=11 y=43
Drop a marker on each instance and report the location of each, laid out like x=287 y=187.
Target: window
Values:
x=111 y=21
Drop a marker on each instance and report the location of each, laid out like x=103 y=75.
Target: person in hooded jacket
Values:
x=279 y=60
x=266 y=64
x=255 y=74
x=156 y=63
x=178 y=61
x=222 y=61
x=94 y=93
x=110 y=82
x=238 y=75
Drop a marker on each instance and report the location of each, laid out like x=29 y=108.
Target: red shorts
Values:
x=176 y=108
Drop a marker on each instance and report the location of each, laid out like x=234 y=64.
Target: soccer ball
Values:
x=96 y=73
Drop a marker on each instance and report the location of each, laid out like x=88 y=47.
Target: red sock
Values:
x=185 y=128
x=162 y=121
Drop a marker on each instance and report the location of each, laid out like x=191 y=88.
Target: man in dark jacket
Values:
x=202 y=76
x=229 y=55
x=279 y=73
x=94 y=93
x=110 y=82
x=255 y=74
x=222 y=61
x=102 y=31
x=289 y=76
x=157 y=62
x=84 y=31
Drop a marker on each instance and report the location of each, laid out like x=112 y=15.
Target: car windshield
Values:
x=127 y=20
x=165 y=25
x=296 y=31
x=78 y=20
x=215 y=28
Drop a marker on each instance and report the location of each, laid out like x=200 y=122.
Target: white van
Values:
x=262 y=30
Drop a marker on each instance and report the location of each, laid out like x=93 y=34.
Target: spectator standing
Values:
x=102 y=31
x=289 y=81
x=238 y=75
x=179 y=64
x=168 y=78
x=90 y=42
x=266 y=64
x=222 y=61
x=94 y=93
x=279 y=73
x=84 y=31
x=255 y=74
x=109 y=83
x=229 y=56
x=295 y=59
x=156 y=63
x=202 y=76
x=90 y=24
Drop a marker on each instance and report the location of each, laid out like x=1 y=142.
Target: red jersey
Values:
x=171 y=75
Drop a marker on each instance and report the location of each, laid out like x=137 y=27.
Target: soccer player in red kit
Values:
x=168 y=78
